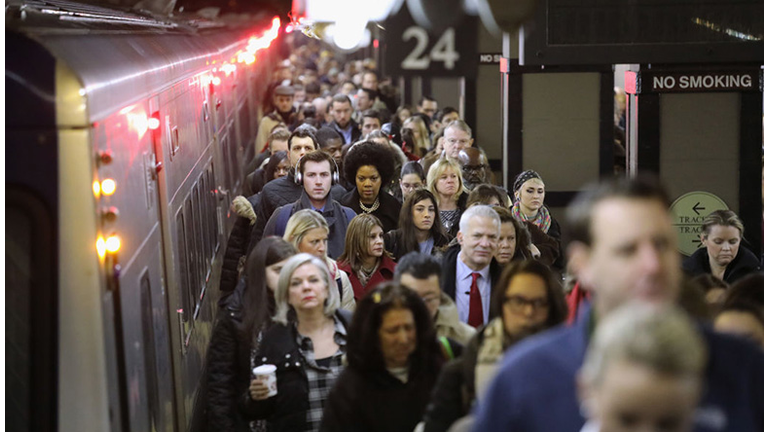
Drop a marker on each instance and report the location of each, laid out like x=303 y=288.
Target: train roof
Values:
x=122 y=56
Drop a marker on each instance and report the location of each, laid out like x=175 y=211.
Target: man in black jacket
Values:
x=285 y=190
x=317 y=173
x=341 y=110
x=469 y=270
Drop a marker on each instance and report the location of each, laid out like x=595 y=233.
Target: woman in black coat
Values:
x=723 y=256
x=393 y=363
x=306 y=345
x=420 y=229
x=368 y=166
x=243 y=318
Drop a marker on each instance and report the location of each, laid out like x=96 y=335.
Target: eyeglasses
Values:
x=519 y=303
x=471 y=168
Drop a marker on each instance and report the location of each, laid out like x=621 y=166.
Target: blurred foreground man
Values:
x=623 y=249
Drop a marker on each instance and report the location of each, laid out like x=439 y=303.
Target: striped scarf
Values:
x=542 y=220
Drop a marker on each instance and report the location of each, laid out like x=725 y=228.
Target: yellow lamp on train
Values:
x=108 y=186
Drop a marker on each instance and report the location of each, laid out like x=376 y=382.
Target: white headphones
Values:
x=299 y=178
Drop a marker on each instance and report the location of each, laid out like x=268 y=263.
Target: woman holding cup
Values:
x=244 y=318
x=305 y=346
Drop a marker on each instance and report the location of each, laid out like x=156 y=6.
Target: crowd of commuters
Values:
x=393 y=286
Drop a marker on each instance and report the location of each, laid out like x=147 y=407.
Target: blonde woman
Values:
x=307 y=230
x=306 y=344
x=446 y=184
x=420 y=134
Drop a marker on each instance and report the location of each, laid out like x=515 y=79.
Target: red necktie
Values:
x=475 y=303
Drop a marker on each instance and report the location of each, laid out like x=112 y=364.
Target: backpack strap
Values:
x=341 y=288
x=445 y=347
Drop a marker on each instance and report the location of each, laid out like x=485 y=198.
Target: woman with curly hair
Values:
x=365 y=260
x=368 y=166
x=420 y=229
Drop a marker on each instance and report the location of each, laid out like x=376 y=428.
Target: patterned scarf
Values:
x=542 y=220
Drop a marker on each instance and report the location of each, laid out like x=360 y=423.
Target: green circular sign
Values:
x=688 y=212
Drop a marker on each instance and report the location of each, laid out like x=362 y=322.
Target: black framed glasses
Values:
x=519 y=303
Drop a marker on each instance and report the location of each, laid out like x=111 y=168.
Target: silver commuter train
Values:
x=125 y=137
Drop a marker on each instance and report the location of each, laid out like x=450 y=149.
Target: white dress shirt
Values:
x=463 y=284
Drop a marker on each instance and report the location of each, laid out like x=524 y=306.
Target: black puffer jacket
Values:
x=237 y=244
x=278 y=193
x=228 y=366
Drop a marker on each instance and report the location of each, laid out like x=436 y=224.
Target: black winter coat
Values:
x=394 y=244
x=455 y=389
x=228 y=366
x=287 y=411
x=237 y=246
x=745 y=263
x=381 y=402
x=278 y=193
x=388 y=211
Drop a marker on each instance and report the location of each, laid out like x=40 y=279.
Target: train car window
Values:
x=206 y=216
x=148 y=334
x=234 y=166
x=214 y=228
x=192 y=256
x=243 y=120
x=198 y=239
x=227 y=166
x=182 y=261
x=31 y=317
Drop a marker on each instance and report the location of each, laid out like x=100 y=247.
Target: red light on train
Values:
x=153 y=123
x=216 y=81
x=375 y=43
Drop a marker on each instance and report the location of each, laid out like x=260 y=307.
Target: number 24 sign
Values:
x=412 y=50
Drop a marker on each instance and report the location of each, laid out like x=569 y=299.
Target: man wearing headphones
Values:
x=317 y=173
x=287 y=190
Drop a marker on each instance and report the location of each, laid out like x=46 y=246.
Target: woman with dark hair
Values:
x=243 y=318
x=528 y=299
x=529 y=207
x=277 y=166
x=420 y=228
x=393 y=361
x=485 y=194
x=722 y=254
x=409 y=145
x=365 y=260
x=368 y=166
x=514 y=240
x=306 y=344
x=412 y=177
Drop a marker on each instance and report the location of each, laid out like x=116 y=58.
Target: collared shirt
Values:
x=346 y=133
x=320 y=379
x=463 y=284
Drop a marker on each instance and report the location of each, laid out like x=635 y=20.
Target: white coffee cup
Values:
x=266 y=374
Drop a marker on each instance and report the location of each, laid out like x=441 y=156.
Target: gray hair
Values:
x=479 y=211
x=282 y=308
x=661 y=338
x=460 y=125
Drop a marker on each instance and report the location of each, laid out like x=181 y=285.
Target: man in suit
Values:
x=469 y=269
